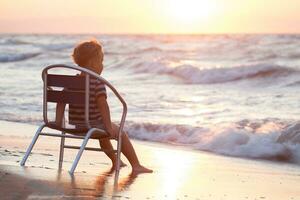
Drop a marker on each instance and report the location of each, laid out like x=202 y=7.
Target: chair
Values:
x=52 y=81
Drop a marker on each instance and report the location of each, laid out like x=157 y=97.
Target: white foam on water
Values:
x=232 y=140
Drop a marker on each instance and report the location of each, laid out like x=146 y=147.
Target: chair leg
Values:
x=61 y=152
x=82 y=147
x=119 y=146
x=32 y=144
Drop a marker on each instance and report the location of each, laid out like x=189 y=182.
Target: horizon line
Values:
x=139 y=33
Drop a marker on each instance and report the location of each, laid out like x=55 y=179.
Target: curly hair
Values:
x=86 y=51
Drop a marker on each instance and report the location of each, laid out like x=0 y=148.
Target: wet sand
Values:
x=179 y=173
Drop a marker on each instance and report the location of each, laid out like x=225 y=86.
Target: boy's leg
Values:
x=106 y=144
x=129 y=152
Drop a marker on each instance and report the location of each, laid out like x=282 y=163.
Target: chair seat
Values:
x=53 y=125
x=100 y=134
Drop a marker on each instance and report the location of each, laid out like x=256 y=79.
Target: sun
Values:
x=191 y=11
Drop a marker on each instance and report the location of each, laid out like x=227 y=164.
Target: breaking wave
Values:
x=55 y=47
x=17 y=57
x=145 y=51
x=194 y=75
x=260 y=140
x=269 y=139
x=14 y=41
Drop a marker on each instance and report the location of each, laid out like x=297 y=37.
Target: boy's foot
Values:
x=141 y=169
x=122 y=164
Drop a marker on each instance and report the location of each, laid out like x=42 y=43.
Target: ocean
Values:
x=235 y=95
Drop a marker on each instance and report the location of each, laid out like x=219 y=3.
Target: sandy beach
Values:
x=207 y=91
x=179 y=173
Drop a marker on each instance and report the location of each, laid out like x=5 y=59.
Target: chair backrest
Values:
x=66 y=89
x=70 y=85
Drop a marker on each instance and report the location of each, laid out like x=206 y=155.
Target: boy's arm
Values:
x=60 y=109
x=105 y=113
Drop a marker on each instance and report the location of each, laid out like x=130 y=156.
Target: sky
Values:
x=149 y=16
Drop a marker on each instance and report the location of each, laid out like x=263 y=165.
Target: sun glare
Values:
x=191 y=11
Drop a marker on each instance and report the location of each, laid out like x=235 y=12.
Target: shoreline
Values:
x=179 y=173
x=31 y=128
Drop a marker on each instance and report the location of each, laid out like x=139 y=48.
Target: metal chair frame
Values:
x=90 y=131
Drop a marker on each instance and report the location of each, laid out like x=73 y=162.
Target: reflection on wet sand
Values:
x=102 y=185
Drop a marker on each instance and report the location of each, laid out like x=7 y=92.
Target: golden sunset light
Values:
x=191 y=11
x=149 y=16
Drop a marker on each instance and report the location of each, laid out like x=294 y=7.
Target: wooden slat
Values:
x=71 y=97
x=66 y=81
x=61 y=135
x=89 y=148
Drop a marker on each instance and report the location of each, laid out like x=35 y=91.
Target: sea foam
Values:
x=271 y=141
x=196 y=75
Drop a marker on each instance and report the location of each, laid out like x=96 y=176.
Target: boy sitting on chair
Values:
x=89 y=55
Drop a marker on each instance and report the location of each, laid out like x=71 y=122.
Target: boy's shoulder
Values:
x=94 y=80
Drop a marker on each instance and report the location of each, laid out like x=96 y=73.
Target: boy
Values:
x=89 y=55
